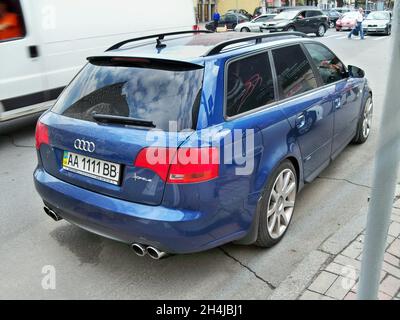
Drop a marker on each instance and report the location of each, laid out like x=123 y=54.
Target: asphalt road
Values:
x=89 y=266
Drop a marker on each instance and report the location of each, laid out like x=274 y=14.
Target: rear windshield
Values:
x=156 y=95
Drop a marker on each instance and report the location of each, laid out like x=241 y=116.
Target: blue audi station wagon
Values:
x=294 y=103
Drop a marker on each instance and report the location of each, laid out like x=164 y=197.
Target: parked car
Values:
x=347 y=21
x=307 y=21
x=342 y=10
x=242 y=12
x=269 y=9
x=378 y=22
x=333 y=16
x=60 y=32
x=255 y=24
x=96 y=149
x=230 y=20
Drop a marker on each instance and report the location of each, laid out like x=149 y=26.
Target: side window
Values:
x=293 y=70
x=310 y=14
x=329 y=66
x=262 y=19
x=249 y=84
x=302 y=14
x=11 y=21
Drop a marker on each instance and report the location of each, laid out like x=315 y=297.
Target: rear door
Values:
x=308 y=108
x=144 y=91
x=21 y=72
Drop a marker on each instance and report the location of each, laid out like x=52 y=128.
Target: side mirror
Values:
x=356 y=72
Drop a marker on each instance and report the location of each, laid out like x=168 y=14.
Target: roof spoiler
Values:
x=144 y=62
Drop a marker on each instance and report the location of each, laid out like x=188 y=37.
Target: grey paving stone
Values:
x=394 y=248
x=346 y=261
x=390 y=285
x=340 y=288
x=322 y=283
x=353 y=250
x=394 y=229
x=389 y=258
x=309 y=295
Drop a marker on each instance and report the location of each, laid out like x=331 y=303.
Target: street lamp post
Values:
x=385 y=175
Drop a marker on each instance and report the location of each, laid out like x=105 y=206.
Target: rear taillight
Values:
x=41 y=134
x=185 y=165
x=195 y=27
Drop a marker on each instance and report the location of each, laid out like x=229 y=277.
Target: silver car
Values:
x=378 y=22
x=255 y=24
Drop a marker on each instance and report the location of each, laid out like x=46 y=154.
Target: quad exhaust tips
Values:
x=154 y=253
x=52 y=214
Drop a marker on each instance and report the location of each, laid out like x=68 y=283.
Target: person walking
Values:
x=358 y=27
x=216 y=18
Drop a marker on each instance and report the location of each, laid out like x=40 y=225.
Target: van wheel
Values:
x=321 y=31
x=277 y=205
x=364 y=123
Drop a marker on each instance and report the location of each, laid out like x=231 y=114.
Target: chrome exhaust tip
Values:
x=155 y=253
x=52 y=214
x=138 y=249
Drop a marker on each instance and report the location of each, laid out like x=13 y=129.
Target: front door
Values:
x=310 y=114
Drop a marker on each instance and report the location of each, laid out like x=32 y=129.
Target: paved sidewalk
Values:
x=332 y=271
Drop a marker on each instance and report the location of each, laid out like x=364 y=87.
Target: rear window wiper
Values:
x=106 y=118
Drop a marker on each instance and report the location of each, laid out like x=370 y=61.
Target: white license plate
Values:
x=371 y=29
x=90 y=167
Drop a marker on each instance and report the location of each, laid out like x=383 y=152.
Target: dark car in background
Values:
x=333 y=16
x=230 y=20
x=242 y=12
x=304 y=20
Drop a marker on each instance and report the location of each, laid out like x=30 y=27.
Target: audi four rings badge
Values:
x=84 y=145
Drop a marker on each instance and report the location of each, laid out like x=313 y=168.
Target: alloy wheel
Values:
x=281 y=203
x=321 y=30
x=367 y=118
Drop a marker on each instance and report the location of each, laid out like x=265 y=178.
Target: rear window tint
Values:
x=249 y=84
x=148 y=94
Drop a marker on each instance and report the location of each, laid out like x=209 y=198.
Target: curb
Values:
x=294 y=284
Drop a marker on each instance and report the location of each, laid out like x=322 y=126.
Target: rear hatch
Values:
x=113 y=110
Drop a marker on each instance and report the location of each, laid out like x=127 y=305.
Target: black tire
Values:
x=245 y=29
x=319 y=32
x=264 y=239
x=388 y=31
x=331 y=24
x=360 y=136
x=290 y=29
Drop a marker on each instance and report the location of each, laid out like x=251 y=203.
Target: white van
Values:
x=58 y=35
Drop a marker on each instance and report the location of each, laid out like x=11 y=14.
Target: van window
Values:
x=293 y=71
x=149 y=94
x=12 y=25
x=249 y=84
x=329 y=66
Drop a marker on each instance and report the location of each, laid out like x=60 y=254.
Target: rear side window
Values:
x=294 y=72
x=147 y=94
x=249 y=84
x=329 y=66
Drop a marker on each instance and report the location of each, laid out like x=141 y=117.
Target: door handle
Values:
x=300 y=121
x=33 y=51
x=337 y=102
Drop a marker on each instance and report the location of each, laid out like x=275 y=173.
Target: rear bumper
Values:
x=170 y=230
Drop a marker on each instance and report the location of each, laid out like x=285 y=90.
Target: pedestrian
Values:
x=358 y=27
x=216 y=18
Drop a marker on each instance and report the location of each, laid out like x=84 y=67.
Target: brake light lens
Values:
x=41 y=134
x=185 y=165
x=195 y=27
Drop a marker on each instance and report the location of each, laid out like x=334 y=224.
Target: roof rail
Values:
x=258 y=38
x=158 y=36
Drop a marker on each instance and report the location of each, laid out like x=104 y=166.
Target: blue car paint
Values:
x=183 y=218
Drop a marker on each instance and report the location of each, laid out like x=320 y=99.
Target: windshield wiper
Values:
x=106 y=118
